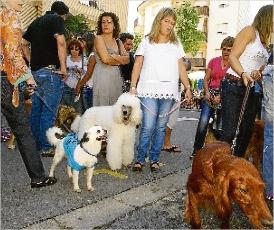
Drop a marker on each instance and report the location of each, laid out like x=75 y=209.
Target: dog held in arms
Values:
x=120 y=120
x=81 y=155
x=217 y=180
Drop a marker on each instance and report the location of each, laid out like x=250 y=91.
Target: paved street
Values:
x=143 y=200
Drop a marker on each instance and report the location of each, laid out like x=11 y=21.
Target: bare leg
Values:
x=89 y=178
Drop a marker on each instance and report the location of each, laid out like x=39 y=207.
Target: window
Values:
x=222 y=28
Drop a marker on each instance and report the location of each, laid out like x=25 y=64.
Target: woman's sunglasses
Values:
x=226 y=49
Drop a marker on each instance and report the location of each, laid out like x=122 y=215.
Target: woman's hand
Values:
x=207 y=96
x=247 y=79
x=216 y=100
x=31 y=85
x=256 y=75
x=133 y=90
x=188 y=96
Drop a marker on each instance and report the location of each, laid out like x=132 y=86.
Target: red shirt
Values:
x=217 y=73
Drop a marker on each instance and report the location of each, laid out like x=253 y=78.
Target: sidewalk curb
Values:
x=106 y=211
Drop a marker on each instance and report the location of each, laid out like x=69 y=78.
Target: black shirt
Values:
x=40 y=34
x=127 y=69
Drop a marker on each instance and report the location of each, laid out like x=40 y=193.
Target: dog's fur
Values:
x=65 y=116
x=120 y=120
x=254 y=149
x=91 y=141
x=217 y=180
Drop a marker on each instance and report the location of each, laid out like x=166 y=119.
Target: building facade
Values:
x=217 y=19
x=91 y=9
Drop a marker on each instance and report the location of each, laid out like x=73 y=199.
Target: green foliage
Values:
x=76 y=25
x=137 y=40
x=186 y=28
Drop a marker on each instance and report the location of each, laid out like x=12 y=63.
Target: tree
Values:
x=76 y=25
x=137 y=40
x=186 y=28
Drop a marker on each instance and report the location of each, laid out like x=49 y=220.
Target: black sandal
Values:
x=155 y=167
x=137 y=167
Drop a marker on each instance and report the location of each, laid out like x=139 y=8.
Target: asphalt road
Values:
x=143 y=200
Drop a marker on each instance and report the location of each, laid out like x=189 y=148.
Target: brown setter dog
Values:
x=255 y=147
x=217 y=180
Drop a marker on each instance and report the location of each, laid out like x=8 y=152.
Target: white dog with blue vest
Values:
x=80 y=154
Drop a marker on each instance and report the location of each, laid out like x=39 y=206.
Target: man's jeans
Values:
x=153 y=128
x=45 y=105
x=206 y=113
x=19 y=124
x=232 y=97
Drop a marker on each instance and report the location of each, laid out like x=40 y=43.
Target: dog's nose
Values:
x=124 y=112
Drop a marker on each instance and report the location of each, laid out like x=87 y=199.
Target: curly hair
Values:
x=76 y=43
x=115 y=19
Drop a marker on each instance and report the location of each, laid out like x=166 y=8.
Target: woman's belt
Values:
x=234 y=80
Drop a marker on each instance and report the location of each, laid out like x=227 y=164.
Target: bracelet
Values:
x=242 y=74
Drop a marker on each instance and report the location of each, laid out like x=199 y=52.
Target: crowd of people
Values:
x=95 y=70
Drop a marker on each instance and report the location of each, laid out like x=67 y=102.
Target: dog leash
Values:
x=168 y=113
x=240 y=117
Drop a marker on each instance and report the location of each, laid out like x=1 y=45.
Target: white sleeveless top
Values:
x=253 y=58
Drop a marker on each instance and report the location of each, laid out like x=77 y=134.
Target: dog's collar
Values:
x=87 y=151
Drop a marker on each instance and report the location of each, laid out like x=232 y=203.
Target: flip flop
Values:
x=173 y=149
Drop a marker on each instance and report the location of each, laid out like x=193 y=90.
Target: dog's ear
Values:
x=84 y=138
x=59 y=136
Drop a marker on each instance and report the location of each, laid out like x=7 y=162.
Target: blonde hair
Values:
x=153 y=35
x=263 y=22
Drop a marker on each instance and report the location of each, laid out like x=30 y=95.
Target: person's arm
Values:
x=112 y=59
x=88 y=75
x=206 y=83
x=136 y=73
x=26 y=49
x=184 y=80
x=243 y=38
x=62 y=55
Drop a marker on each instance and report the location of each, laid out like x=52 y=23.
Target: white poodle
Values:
x=120 y=121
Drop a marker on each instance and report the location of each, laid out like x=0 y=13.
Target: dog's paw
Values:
x=77 y=190
x=91 y=189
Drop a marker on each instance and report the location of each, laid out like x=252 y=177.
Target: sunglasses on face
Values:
x=76 y=49
x=226 y=49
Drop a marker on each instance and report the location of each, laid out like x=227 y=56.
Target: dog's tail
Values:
x=54 y=135
x=76 y=124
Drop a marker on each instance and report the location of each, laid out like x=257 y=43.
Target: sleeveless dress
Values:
x=107 y=82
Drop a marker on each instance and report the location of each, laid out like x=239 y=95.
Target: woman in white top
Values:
x=247 y=59
x=75 y=72
x=158 y=66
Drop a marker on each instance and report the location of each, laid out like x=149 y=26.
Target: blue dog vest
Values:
x=70 y=142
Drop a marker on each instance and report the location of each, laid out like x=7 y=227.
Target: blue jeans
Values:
x=232 y=97
x=153 y=128
x=68 y=99
x=206 y=113
x=86 y=94
x=45 y=105
x=268 y=154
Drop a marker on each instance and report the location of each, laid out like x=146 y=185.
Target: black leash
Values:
x=240 y=117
